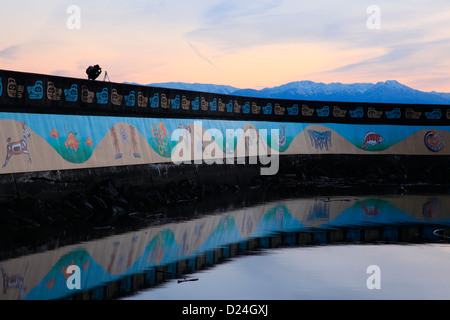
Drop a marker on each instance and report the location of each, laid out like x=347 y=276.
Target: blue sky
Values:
x=246 y=44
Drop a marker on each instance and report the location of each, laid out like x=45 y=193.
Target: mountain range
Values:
x=390 y=91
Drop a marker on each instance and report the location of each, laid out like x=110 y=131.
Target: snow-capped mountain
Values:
x=212 y=88
x=309 y=90
x=392 y=91
x=389 y=91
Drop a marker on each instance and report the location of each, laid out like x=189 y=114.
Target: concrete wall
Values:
x=304 y=221
x=63 y=134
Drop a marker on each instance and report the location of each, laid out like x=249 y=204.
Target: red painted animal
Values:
x=372 y=138
x=18 y=147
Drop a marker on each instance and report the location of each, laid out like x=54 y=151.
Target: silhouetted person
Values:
x=93 y=72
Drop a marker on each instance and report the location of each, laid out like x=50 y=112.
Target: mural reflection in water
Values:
x=122 y=264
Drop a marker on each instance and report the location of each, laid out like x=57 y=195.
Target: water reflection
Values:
x=121 y=265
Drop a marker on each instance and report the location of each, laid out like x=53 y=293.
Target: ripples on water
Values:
x=304 y=248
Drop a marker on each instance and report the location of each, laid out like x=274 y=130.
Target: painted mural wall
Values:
x=51 y=94
x=56 y=123
x=41 y=142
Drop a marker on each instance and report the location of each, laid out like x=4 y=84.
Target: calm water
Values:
x=305 y=248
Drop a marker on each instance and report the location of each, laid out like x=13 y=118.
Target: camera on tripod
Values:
x=94 y=72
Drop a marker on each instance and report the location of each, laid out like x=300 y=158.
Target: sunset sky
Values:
x=241 y=43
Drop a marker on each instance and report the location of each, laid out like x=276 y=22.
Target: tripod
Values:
x=106 y=76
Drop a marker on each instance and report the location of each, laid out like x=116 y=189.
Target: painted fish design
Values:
x=89 y=142
x=372 y=138
x=54 y=134
x=72 y=142
x=163 y=129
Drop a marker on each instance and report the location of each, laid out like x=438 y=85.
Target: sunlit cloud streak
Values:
x=247 y=44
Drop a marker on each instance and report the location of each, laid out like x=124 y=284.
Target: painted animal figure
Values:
x=19 y=147
x=293 y=111
x=433 y=141
x=116 y=98
x=255 y=108
x=357 y=113
x=72 y=93
x=307 y=111
x=320 y=140
x=237 y=107
x=246 y=107
x=213 y=105
x=196 y=103
x=394 y=114
x=372 y=113
x=164 y=101
x=130 y=99
x=229 y=106
x=186 y=134
x=185 y=103
x=221 y=105
x=324 y=112
x=142 y=100
x=411 y=114
x=154 y=101
x=53 y=93
x=279 y=110
x=102 y=97
x=338 y=112
x=86 y=95
x=14 y=90
x=435 y=114
x=203 y=104
x=282 y=137
x=175 y=102
x=372 y=138
x=14 y=281
x=36 y=91
x=267 y=109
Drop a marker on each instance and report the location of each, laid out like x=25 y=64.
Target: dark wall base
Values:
x=403 y=169
x=36 y=206
x=299 y=170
